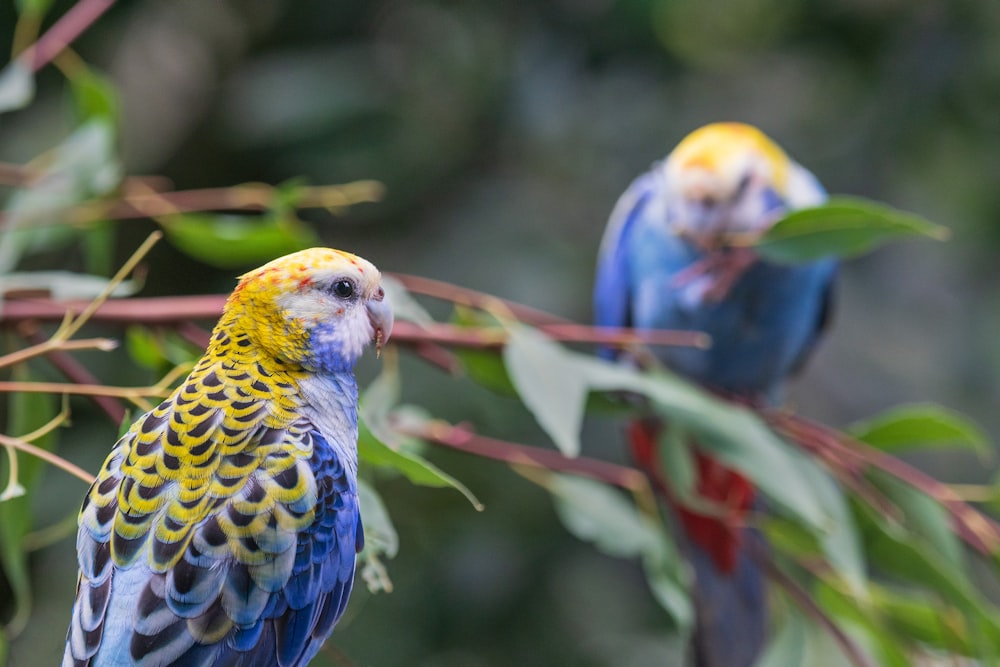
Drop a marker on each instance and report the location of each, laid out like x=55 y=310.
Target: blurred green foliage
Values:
x=504 y=132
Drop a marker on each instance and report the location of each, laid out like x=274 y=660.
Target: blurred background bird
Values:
x=223 y=527
x=676 y=255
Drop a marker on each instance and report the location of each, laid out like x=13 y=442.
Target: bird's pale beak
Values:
x=381 y=318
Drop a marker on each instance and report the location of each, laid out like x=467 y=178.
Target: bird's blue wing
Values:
x=612 y=288
x=262 y=580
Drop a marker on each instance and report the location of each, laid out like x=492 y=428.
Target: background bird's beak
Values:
x=381 y=318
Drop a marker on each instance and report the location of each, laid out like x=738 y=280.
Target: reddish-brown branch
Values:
x=464 y=440
x=64 y=31
x=153 y=310
x=178 y=309
x=194 y=334
x=977 y=530
x=468 y=297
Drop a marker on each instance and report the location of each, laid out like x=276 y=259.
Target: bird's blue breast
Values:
x=760 y=329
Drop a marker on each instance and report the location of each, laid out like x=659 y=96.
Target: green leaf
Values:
x=551 y=383
x=485 y=367
x=381 y=538
x=17 y=86
x=98 y=248
x=843 y=227
x=788 y=644
x=925 y=519
x=144 y=347
x=37 y=7
x=897 y=619
x=677 y=461
x=412 y=466
x=921 y=425
x=81 y=167
x=733 y=434
x=596 y=513
x=915 y=559
x=236 y=241
x=95 y=96
x=667 y=574
x=381 y=396
x=380 y=445
x=380 y=534
x=839 y=538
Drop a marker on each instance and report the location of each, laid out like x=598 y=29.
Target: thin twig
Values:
x=64 y=31
x=77 y=373
x=130 y=393
x=67 y=332
x=47 y=346
x=47 y=456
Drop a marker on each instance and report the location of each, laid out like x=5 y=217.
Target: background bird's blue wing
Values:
x=612 y=289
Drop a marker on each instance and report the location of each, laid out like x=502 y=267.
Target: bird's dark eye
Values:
x=343 y=289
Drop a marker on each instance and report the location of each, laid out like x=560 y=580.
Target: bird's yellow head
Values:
x=728 y=179
x=316 y=308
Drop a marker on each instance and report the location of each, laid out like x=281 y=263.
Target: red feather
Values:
x=729 y=493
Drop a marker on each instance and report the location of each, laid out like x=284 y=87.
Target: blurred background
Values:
x=504 y=132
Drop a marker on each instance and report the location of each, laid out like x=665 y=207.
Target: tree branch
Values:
x=462 y=438
x=63 y=32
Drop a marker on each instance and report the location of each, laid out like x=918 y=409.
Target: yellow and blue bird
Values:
x=676 y=255
x=223 y=527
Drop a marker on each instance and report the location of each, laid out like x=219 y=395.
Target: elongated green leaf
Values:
x=788 y=645
x=17 y=86
x=839 y=538
x=484 y=367
x=144 y=348
x=843 y=227
x=925 y=519
x=733 y=434
x=380 y=533
x=921 y=425
x=599 y=514
x=551 y=382
x=902 y=555
x=236 y=241
x=677 y=461
x=81 y=167
x=897 y=618
x=412 y=466
x=381 y=539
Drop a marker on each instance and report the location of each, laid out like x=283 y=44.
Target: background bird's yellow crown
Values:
x=714 y=147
